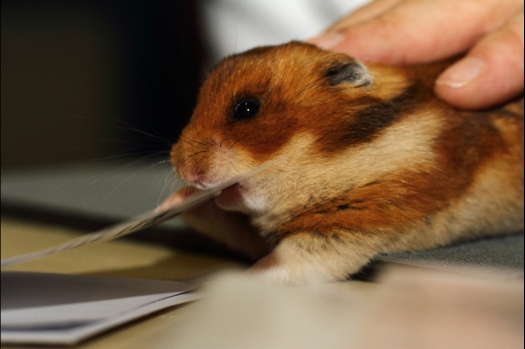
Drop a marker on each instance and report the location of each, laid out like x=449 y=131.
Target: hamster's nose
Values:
x=189 y=175
x=196 y=179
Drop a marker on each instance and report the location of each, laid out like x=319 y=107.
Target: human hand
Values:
x=412 y=31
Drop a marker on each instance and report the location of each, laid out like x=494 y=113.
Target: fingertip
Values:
x=487 y=90
x=491 y=73
x=345 y=42
x=327 y=41
x=462 y=73
x=457 y=84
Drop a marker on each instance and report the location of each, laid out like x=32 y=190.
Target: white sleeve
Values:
x=232 y=26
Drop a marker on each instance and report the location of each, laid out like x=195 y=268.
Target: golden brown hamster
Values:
x=363 y=159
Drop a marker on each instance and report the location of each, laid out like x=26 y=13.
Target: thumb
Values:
x=491 y=73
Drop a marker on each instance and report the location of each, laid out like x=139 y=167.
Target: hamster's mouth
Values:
x=230 y=197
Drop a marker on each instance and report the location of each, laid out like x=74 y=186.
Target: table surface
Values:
x=118 y=258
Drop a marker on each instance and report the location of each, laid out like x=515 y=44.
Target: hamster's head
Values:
x=287 y=104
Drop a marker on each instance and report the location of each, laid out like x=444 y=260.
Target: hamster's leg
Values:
x=336 y=239
x=233 y=229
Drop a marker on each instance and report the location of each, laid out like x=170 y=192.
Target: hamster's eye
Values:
x=246 y=109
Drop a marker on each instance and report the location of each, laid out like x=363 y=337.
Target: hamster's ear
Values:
x=352 y=72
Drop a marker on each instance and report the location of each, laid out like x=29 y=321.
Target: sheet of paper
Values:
x=129 y=226
x=134 y=224
x=65 y=309
x=41 y=308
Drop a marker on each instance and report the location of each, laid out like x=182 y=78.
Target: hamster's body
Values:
x=361 y=160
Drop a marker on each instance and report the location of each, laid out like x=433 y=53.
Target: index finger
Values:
x=422 y=30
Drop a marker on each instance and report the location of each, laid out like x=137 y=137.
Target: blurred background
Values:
x=96 y=80
x=79 y=76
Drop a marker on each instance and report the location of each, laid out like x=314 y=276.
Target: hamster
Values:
x=363 y=159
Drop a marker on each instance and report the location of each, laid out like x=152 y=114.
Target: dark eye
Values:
x=246 y=109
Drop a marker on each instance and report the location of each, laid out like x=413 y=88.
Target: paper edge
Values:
x=80 y=334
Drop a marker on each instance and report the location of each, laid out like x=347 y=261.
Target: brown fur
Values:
x=357 y=169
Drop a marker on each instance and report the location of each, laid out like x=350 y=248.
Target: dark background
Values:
x=86 y=80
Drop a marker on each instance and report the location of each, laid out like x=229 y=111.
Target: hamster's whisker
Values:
x=238 y=171
x=128 y=127
x=234 y=143
x=183 y=162
x=120 y=168
x=170 y=177
x=119 y=156
x=160 y=163
x=190 y=141
x=200 y=163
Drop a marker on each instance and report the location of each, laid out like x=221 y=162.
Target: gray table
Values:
x=95 y=195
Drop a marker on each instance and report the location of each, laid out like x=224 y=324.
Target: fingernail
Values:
x=327 y=41
x=462 y=73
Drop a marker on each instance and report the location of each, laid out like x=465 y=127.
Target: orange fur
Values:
x=363 y=162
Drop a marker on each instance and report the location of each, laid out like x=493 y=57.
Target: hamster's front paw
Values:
x=288 y=272
x=175 y=198
x=232 y=229
x=302 y=259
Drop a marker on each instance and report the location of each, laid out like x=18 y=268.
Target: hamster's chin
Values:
x=241 y=198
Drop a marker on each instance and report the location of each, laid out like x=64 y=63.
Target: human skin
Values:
x=488 y=32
